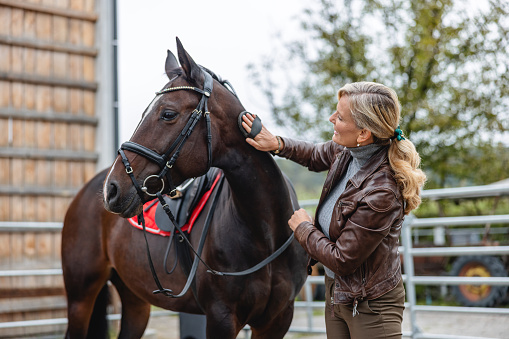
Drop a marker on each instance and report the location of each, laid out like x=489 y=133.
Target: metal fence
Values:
x=411 y=280
x=409 y=253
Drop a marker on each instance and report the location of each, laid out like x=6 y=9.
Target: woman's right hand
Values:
x=263 y=141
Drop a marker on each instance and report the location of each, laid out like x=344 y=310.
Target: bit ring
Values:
x=144 y=188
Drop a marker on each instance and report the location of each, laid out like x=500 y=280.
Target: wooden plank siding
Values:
x=48 y=119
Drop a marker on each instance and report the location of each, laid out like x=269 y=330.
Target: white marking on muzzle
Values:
x=106 y=182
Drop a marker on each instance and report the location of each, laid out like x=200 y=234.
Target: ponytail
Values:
x=405 y=162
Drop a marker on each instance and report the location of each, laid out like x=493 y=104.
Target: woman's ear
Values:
x=365 y=137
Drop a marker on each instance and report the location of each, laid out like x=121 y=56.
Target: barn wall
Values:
x=56 y=123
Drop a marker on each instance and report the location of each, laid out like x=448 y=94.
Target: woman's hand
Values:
x=263 y=141
x=298 y=217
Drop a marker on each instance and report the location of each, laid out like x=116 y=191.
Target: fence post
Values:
x=408 y=264
x=309 y=303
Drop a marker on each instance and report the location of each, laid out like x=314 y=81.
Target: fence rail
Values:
x=30 y=273
x=461 y=221
x=455 y=251
x=30 y=226
x=63 y=321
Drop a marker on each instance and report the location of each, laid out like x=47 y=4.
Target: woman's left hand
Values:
x=298 y=217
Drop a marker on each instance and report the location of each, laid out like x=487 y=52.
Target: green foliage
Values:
x=463 y=207
x=447 y=62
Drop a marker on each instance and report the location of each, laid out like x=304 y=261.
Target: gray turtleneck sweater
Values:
x=360 y=156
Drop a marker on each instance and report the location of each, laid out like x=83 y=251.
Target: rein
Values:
x=166 y=163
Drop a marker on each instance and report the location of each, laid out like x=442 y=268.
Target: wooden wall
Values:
x=48 y=126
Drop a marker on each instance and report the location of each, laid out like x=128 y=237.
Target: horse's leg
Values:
x=276 y=326
x=85 y=275
x=135 y=311
x=222 y=323
x=81 y=298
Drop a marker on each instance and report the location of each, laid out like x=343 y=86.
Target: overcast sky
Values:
x=223 y=35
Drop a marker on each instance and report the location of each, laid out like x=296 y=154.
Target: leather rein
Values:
x=166 y=163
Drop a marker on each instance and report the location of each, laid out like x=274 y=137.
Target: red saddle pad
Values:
x=150 y=207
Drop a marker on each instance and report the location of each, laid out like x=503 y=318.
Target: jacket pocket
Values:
x=345 y=209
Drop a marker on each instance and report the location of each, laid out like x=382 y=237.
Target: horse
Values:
x=248 y=224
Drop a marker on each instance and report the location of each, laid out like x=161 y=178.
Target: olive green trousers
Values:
x=377 y=318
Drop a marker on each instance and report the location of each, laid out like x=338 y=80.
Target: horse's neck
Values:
x=259 y=191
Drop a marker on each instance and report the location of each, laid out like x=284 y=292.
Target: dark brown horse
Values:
x=249 y=224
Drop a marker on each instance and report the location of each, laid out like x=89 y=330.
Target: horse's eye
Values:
x=169 y=115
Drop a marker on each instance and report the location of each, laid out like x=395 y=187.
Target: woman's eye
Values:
x=169 y=115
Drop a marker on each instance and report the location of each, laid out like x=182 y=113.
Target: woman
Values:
x=373 y=182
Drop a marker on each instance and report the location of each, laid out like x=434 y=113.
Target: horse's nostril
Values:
x=112 y=192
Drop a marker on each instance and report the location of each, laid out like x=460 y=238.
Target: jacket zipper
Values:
x=355 y=303
x=363 y=288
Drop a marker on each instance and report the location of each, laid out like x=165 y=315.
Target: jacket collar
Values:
x=340 y=166
x=370 y=166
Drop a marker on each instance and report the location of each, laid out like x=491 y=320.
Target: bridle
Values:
x=164 y=161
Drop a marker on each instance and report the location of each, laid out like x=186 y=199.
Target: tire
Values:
x=479 y=295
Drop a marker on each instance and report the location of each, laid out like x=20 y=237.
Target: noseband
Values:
x=164 y=161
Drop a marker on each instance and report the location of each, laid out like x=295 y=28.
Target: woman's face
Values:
x=345 y=130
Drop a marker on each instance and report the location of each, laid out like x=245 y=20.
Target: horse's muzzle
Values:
x=126 y=205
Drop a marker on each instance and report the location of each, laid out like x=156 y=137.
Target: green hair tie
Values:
x=398 y=134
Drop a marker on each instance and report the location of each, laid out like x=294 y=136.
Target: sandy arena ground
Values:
x=451 y=324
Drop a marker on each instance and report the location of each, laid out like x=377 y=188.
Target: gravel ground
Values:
x=451 y=324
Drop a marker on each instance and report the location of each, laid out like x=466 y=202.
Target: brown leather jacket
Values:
x=365 y=225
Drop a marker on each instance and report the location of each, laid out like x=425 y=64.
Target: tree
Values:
x=448 y=63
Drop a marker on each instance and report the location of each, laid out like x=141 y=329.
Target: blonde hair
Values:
x=376 y=108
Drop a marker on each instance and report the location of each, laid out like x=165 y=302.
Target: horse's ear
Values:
x=192 y=70
x=171 y=63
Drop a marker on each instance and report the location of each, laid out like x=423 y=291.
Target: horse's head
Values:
x=174 y=139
